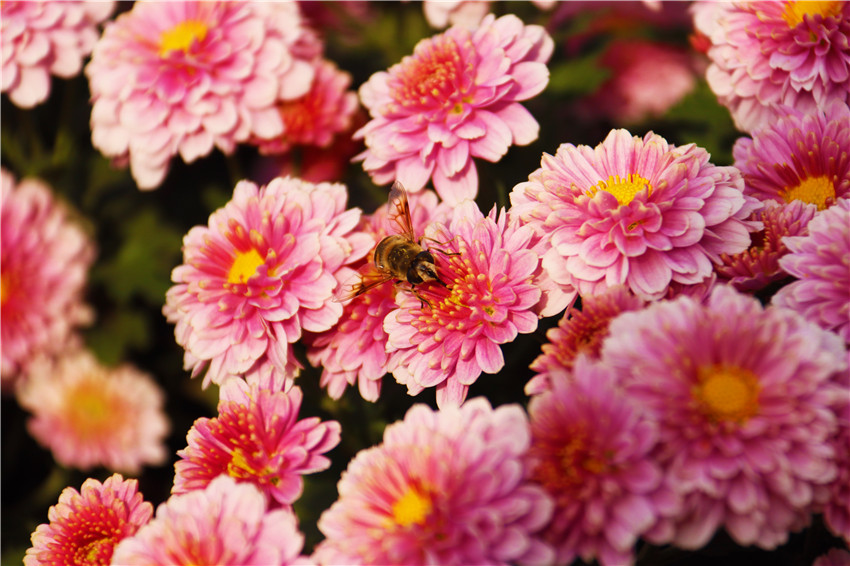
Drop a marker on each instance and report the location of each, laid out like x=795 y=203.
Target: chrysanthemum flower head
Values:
x=227 y=523
x=745 y=401
x=464 y=13
x=445 y=487
x=773 y=52
x=635 y=212
x=835 y=557
x=821 y=263
x=448 y=339
x=45 y=260
x=834 y=501
x=457 y=97
x=90 y=415
x=86 y=526
x=256 y=438
x=45 y=38
x=263 y=269
x=184 y=77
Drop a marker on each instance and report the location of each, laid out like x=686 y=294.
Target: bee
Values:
x=399 y=256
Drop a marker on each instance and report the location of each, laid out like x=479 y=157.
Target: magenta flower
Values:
x=90 y=415
x=445 y=487
x=43 y=38
x=457 y=97
x=184 y=77
x=45 y=259
x=821 y=263
x=774 y=52
x=745 y=402
x=835 y=557
x=85 y=526
x=835 y=499
x=263 y=269
x=227 y=523
x=491 y=292
x=256 y=438
x=635 y=212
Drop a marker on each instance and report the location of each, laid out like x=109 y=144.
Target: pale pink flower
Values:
x=457 y=97
x=42 y=38
x=87 y=525
x=226 y=524
x=636 y=212
x=264 y=269
x=445 y=487
x=90 y=415
x=464 y=13
x=745 y=400
x=772 y=52
x=184 y=77
x=45 y=259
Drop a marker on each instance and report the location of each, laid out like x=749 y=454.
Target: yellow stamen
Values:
x=4 y=288
x=90 y=410
x=412 y=508
x=796 y=10
x=245 y=265
x=181 y=37
x=813 y=190
x=624 y=190
x=727 y=393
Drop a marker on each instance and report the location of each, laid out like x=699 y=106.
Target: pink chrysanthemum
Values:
x=90 y=415
x=227 y=523
x=262 y=270
x=85 y=526
x=182 y=77
x=578 y=332
x=457 y=97
x=745 y=402
x=491 y=292
x=591 y=451
x=445 y=487
x=635 y=212
x=256 y=438
x=43 y=38
x=835 y=503
x=758 y=266
x=835 y=557
x=776 y=52
x=45 y=261
x=821 y=263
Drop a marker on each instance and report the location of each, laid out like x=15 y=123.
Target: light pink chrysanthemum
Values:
x=227 y=524
x=835 y=500
x=464 y=13
x=821 y=263
x=835 y=557
x=745 y=402
x=591 y=451
x=491 y=292
x=771 y=52
x=457 y=97
x=256 y=438
x=635 y=212
x=798 y=157
x=43 y=38
x=263 y=269
x=578 y=332
x=90 y=415
x=183 y=77
x=445 y=487
x=85 y=526
x=45 y=260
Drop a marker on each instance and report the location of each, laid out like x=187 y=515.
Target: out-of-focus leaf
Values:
x=111 y=337
x=578 y=76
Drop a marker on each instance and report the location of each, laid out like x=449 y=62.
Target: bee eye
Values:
x=413 y=276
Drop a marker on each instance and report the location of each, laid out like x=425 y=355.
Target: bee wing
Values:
x=399 y=212
x=367 y=277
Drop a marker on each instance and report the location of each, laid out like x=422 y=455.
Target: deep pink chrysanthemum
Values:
x=445 y=487
x=43 y=38
x=45 y=261
x=182 y=77
x=263 y=269
x=591 y=451
x=745 y=402
x=821 y=263
x=256 y=438
x=90 y=415
x=835 y=499
x=835 y=557
x=457 y=97
x=227 y=524
x=489 y=300
x=776 y=52
x=85 y=526
x=635 y=212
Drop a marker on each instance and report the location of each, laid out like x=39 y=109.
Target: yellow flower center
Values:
x=181 y=37
x=99 y=550
x=812 y=190
x=624 y=190
x=795 y=10
x=412 y=508
x=727 y=393
x=90 y=410
x=4 y=288
x=245 y=265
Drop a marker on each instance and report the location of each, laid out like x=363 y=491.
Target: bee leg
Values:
x=444 y=252
x=422 y=299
